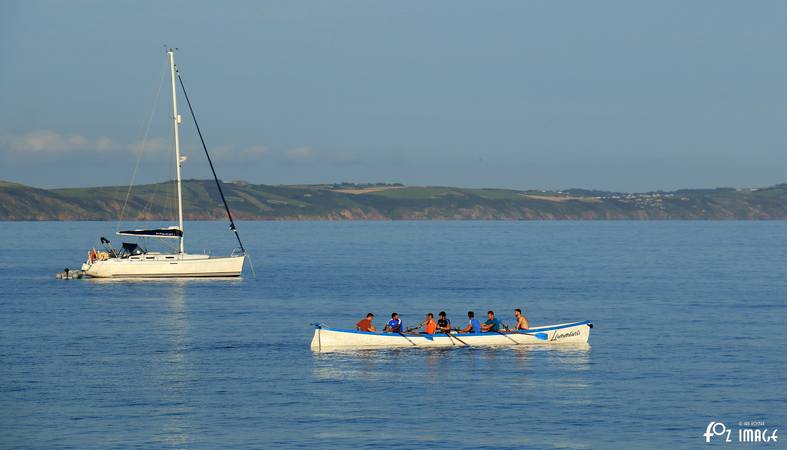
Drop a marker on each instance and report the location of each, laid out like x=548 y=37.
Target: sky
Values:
x=616 y=95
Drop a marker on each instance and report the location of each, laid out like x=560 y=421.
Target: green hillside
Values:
x=383 y=202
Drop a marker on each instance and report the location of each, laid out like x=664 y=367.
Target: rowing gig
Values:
x=329 y=339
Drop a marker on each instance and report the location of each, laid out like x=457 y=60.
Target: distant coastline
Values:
x=350 y=201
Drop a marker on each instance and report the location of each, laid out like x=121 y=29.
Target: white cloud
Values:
x=53 y=144
x=104 y=144
x=260 y=151
x=230 y=153
x=47 y=141
x=300 y=153
x=254 y=152
x=152 y=145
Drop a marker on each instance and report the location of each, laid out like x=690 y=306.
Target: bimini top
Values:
x=131 y=249
x=169 y=232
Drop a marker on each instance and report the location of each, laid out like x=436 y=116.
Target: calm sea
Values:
x=690 y=327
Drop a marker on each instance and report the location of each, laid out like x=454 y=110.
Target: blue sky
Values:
x=619 y=95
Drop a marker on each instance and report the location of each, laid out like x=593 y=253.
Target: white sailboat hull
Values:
x=166 y=266
x=327 y=339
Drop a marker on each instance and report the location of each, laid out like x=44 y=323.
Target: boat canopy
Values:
x=169 y=232
x=131 y=249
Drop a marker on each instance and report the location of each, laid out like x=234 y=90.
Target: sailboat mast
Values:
x=175 y=123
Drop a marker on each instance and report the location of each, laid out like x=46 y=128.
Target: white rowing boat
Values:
x=329 y=339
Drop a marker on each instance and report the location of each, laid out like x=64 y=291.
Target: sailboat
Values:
x=134 y=261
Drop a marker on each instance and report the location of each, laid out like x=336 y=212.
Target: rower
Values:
x=431 y=325
x=521 y=321
x=472 y=324
x=443 y=324
x=492 y=324
x=366 y=324
x=394 y=325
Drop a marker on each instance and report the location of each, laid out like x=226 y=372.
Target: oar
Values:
x=402 y=335
x=414 y=328
x=448 y=334
x=408 y=340
x=426 y=335
x=508 y=337
x=449 y=337
x=542 y=336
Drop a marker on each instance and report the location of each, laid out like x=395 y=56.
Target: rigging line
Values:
x=173 y=194
x=170 y=189
x=251 y=265
x=167 y=199
x=141 y=149
x=215 y=177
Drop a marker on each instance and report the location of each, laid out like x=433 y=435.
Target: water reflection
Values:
x=175 y=367
x=433 y=364
x=170 y=281
x=572 y=356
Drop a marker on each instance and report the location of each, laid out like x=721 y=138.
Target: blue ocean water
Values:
x=690 y=327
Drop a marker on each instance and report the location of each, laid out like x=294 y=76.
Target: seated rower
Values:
x=521 y=321
x=394 y=325
x=472 y=324
x=366 y=324
x=443 y=324
x=492 y=324
x=431 y=325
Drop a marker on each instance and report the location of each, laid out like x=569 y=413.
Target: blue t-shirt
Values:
x=476 y=326
x=395 y=325
x=495 y=324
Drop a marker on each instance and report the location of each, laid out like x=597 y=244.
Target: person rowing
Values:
x=366 y=324
x=394 y=325
x=492 y=324
x=521 y=321
x=429 y=322
x=472 y=324
x=443 y=324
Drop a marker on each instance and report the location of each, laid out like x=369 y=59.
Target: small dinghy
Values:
x=329 y=339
